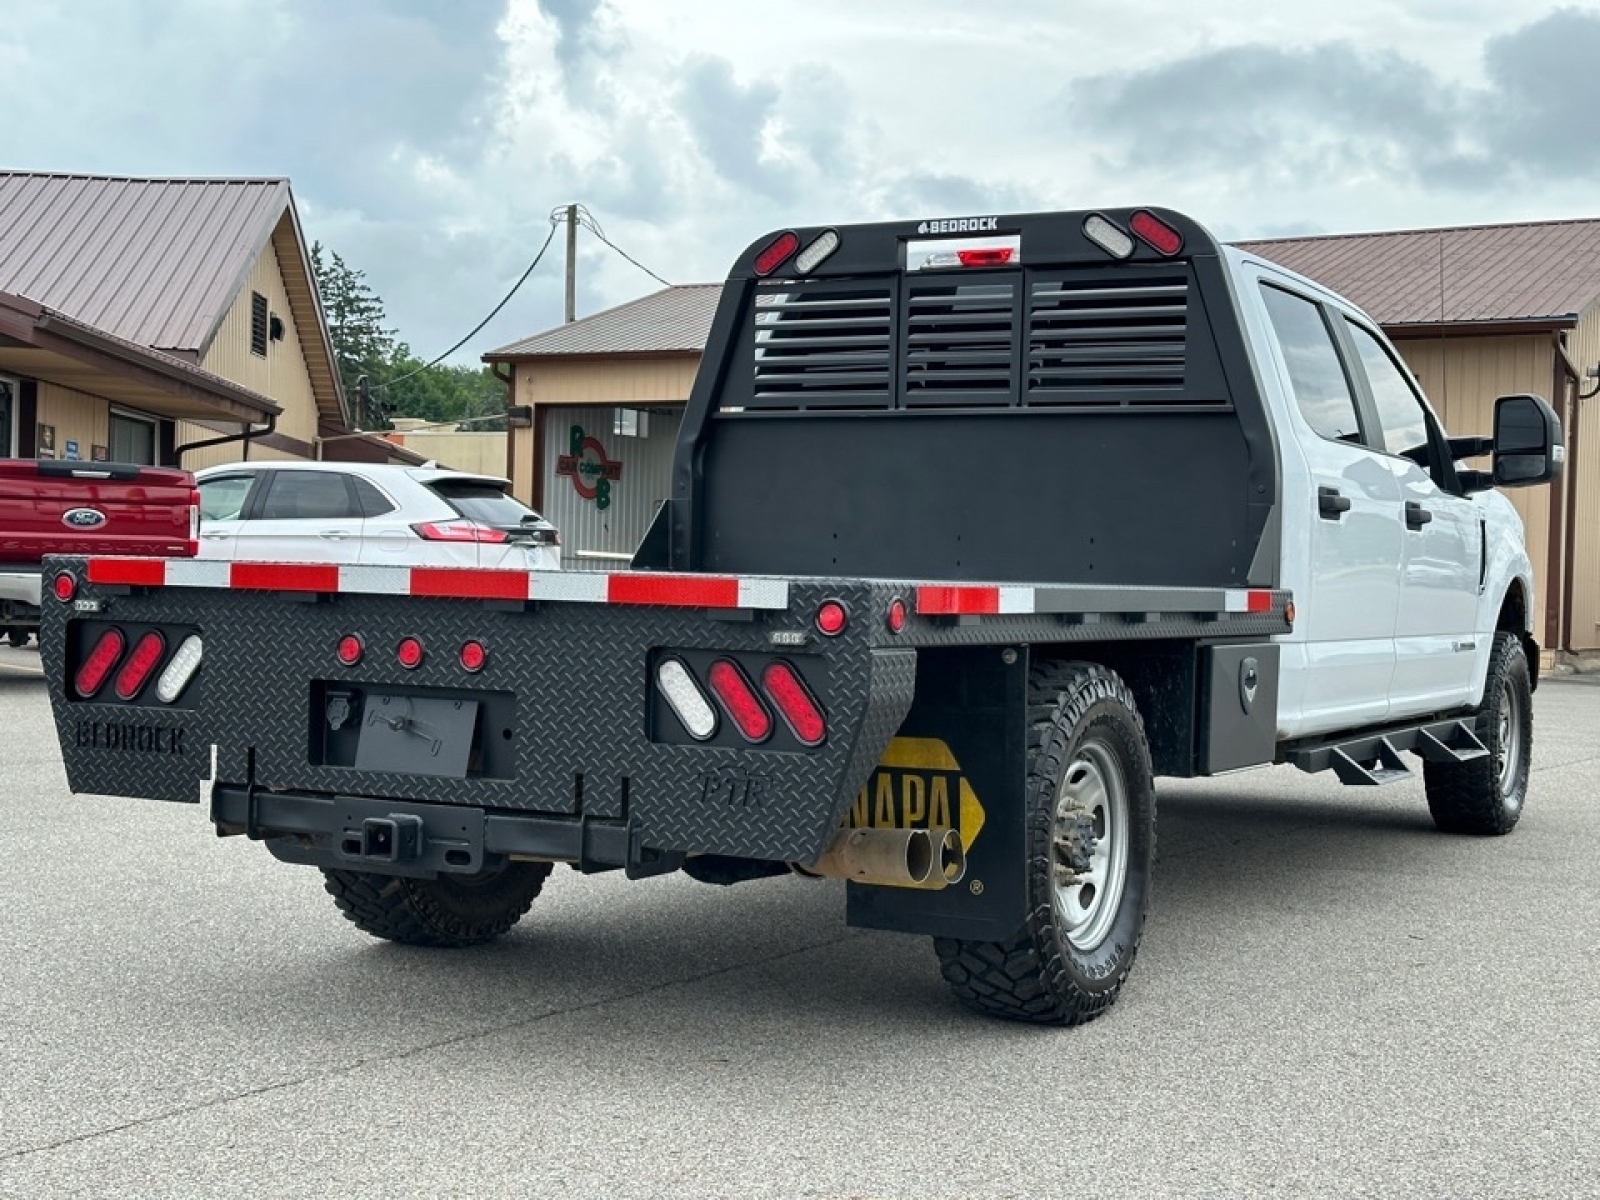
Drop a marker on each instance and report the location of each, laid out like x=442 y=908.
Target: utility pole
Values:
x=572 y=263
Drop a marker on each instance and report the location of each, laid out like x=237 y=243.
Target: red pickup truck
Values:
x=49 y=506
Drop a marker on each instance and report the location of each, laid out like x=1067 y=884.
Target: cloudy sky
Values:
x=428 y=140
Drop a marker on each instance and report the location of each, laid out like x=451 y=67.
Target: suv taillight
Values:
x=460 y=531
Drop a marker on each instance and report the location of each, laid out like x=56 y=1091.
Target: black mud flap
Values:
x=960 y=760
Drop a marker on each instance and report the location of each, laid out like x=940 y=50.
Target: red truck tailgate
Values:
x=56 y=507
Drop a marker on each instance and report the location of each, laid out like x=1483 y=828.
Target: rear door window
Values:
x=309 y=495
x=483 y=501
x=1316 y=375
x=373 y=502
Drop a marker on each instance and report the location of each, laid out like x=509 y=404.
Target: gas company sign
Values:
x=591 y=471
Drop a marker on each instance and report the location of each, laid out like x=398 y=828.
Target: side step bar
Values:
x=1373 y=759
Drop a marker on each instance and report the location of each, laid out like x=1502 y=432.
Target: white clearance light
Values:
x=809 y=258
x=686 y=698
x=1107 y=236
x=180 y=670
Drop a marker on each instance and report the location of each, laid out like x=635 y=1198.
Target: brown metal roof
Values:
x=1541 y=271
x=673 y=320
x=156 y=262
x=37 y=341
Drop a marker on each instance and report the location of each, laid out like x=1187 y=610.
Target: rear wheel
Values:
x=17 y=637
x=448 y=911
x=1090 y=846
x=1485 y=796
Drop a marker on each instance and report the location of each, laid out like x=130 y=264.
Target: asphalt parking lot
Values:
x=1330 y=999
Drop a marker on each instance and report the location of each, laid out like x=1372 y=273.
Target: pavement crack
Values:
x=422 y=1048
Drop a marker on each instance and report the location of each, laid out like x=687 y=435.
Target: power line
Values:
x=494 y=312
x=588 y=221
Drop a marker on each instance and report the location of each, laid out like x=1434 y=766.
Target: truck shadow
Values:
x=670 y=953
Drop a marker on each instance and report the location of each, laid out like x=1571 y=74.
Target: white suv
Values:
x=371 y=514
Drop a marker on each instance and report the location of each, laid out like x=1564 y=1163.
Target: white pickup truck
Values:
x=977 y=525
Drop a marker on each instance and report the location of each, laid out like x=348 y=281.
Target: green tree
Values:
x=362 y=342
x=399 y=382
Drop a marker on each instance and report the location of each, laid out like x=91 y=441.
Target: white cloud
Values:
x=428 y=142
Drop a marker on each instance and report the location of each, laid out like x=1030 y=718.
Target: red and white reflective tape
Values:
x=952 y=600
x=456 y=583
x=1255 y=600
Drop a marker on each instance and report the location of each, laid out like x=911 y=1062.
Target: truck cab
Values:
x=1403 y=563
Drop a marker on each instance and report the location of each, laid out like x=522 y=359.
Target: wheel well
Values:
x=1513 y=619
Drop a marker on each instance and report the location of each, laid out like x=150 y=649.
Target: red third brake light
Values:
x=460 y=531
x=1155 y=232
x=740 y=700
x=92 y=674
x=146 y=657
x=789 y=693
x=777 y=253
x=992 y=256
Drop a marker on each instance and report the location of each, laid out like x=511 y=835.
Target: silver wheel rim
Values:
x=1086 y=904
x=1511 y=720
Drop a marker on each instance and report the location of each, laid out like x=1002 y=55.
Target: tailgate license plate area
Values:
x=416 y=735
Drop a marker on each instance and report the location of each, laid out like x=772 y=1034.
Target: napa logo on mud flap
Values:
x=918 y=784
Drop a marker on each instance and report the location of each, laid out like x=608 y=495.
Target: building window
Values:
x=133 y=439
x=630 y=422
x=9 y=418
x=258 y=324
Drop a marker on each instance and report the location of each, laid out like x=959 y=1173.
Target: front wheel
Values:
x=17 y=637
x=451 y=910
x=1090 y=846
x=1485 y=796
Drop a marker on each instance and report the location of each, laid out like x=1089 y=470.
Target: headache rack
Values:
x=1087 y=334
x=1050 y=397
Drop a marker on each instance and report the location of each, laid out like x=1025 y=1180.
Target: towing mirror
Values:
x=1528 y=445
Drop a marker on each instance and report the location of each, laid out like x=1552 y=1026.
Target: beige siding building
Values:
x=170 y=321
x=605 y=396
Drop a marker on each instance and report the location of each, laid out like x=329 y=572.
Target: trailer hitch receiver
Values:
x=395 y=838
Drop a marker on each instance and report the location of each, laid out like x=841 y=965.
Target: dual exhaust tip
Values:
x=929 y=859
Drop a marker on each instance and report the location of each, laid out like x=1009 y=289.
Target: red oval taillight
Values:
x=146 y=657
x=794 y=700
x=65 y=587
x=731 y=687
x=473 y=656
x=92 y=674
